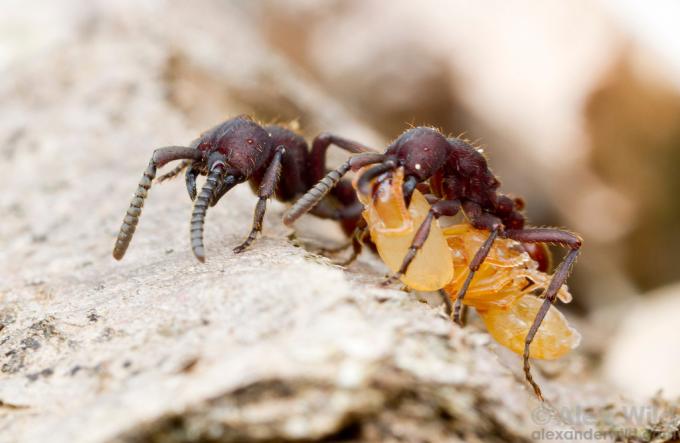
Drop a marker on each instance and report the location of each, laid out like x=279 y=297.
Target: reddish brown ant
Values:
x=273 y=158
x=455 y=176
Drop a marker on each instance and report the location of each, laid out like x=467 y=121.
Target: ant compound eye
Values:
x=250 y=141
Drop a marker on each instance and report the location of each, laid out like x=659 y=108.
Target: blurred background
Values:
x=577 y=106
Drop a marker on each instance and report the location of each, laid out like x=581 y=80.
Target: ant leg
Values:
x=546 y=235
x=177 y=170
x=220 y=190
x=479 y=220
x=317 y=156
x=365 y=182
x=319 y=191
x=448 y=307
x=463 y=314
x=267 y=188
x=410 y=184
x=474 y=265
x=335 y=249
x=442 y=207
x=328 y=210
x=159 y=158
x=190 y=178
x=358 y=239
x=338 y=210
x=356 y=242
x=215 y=177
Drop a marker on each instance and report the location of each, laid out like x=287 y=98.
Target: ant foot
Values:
x=242 y=247
x=448 y=306
x=351 y=259
x=334 y=249
x=391 y=279
x=458 y=316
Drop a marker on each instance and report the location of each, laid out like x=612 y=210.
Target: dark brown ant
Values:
x=456 y=176
x=273 y=158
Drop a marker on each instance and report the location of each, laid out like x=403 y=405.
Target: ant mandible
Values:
x=456 y=176
x=273 y=158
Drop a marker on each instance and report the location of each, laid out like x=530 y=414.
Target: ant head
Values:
x=241 y=133
x=421 y=151
x=240 y=143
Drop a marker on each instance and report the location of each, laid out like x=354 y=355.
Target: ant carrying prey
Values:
x=273 y=158
x=505 y=287
x=454 y=176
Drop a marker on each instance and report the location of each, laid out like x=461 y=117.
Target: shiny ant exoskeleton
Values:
x=455 y=176
x=273 y=158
